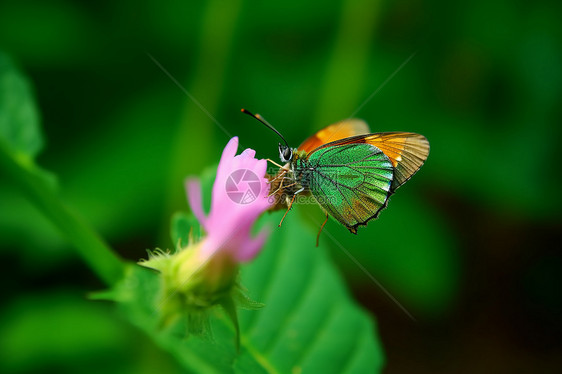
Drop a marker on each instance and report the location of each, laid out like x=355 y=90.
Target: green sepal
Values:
x=242 y=300
x=184 y=230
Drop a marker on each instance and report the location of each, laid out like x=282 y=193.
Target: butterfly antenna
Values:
x=267 y=124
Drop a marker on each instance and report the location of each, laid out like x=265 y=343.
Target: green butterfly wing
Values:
x=352 y=182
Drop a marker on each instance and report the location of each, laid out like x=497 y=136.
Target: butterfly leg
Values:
x=275 y=163
x=321 y=228
x=280 y=186
x=281 y=174
x=290 y=206
x=287 y=211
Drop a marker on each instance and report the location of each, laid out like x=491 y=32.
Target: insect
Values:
x=350 y=172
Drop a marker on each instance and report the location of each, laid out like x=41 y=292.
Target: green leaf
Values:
x=308 y=315
x=19 y=118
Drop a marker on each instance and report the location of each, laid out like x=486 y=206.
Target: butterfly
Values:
x=350 y=172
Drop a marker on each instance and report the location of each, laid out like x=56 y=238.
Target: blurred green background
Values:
x=470 y=246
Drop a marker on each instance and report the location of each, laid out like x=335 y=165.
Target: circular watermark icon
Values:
x=243 y=186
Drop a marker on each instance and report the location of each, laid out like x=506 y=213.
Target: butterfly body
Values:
x=348 y=171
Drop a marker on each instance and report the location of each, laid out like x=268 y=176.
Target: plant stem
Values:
x=32 y=182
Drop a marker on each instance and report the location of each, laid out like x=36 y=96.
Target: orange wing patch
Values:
x=406 y=150
x=340 y=130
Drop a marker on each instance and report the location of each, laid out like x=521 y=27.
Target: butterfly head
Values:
x=285 y=153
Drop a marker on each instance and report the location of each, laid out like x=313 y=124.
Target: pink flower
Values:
x=203 y=273
x=240 y=196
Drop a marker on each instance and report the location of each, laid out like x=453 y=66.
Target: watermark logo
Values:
x=243 y=186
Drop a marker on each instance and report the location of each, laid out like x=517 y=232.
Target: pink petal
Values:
x=252 y=247
x=193 y=188
x=249 y=153
x=261 y=168
x=227 y=155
